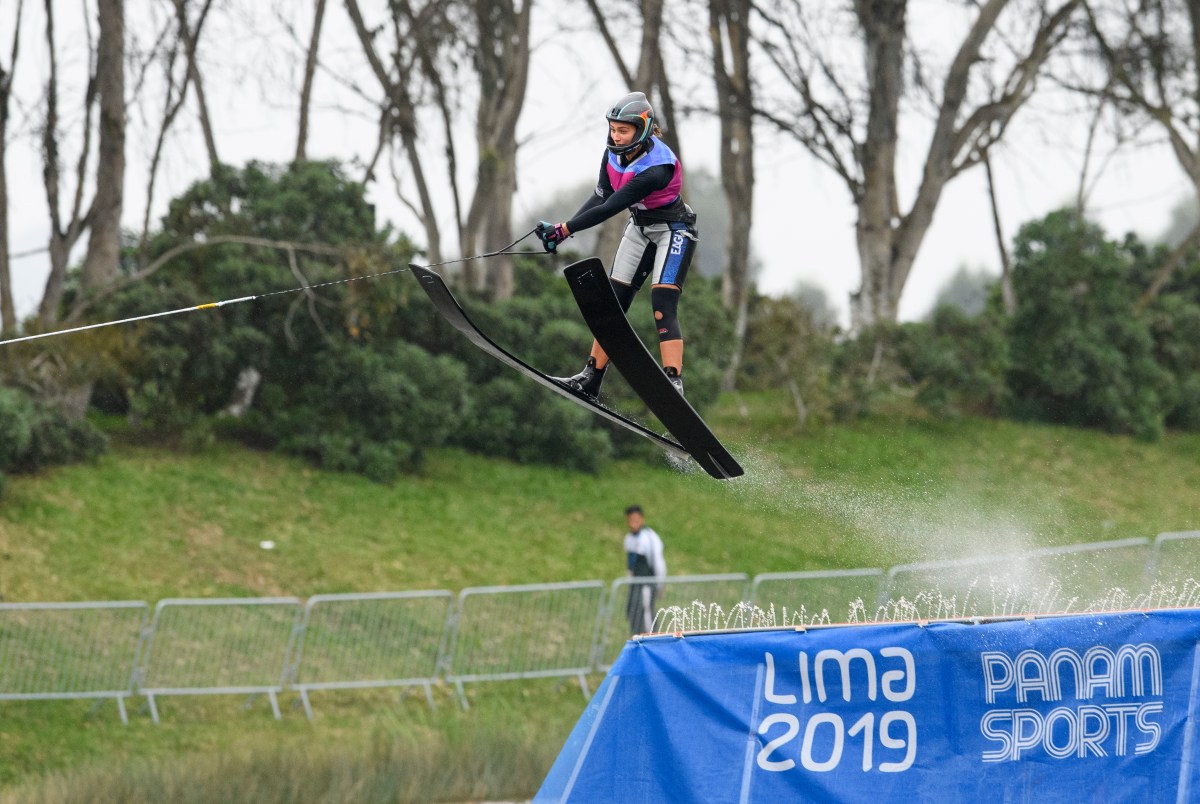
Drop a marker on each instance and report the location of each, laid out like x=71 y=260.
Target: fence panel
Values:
x=1173 y=570
x=1079 y=577
x=384 y=639
x=725 y=590
x=807 y=597
x=534 y=631
x=218 y=647
x=70 y=650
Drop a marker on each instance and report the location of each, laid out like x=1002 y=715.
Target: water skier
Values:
x=640 y=173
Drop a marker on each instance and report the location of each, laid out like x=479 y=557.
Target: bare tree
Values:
x=1151 y=52
x=174 y=99
x=1008 y=293
x=310 y=68
x=729 y=29
x=101 y=264
x=191 y=39
x=501 y=54
x=416 y=36
x=421 y=73
x=649 y=75
x=848 y=114
x=8 y=314
x=63 y=234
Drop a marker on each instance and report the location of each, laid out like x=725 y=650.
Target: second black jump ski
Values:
x=594 y=294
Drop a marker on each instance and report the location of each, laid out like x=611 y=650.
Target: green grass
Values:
x=148 y=524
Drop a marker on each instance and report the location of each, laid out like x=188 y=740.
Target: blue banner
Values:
x=1082 y=708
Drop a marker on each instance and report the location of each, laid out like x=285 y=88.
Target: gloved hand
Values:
x=551 y=234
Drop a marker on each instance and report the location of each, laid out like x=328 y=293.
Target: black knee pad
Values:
x=625 y=293
x=665 y=302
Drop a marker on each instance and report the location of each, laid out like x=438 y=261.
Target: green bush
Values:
x=16 y=427
x=1173 y=319
x=367 y=410
x=1080 y=354
x=34 y=436
x=957 y=361
x=786 y=347
x=864 y=372
x=518 y=419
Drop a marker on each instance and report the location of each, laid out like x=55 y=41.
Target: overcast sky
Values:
x=804 y=219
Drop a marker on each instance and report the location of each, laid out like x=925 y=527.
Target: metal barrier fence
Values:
x=1174 y=561
x=220 y=646
x=535 y=631
x=384 y=639
x=70 y=650
x=725 y=590
x=809 y=595
x=1074 y=577
x=264 y=646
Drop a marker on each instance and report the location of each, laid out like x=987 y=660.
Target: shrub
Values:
x=1080 y=354
x=1173 y=319
x=33 y=436
x=957 y=361
x=364 y=409
x=517 y=419
x=16 y=427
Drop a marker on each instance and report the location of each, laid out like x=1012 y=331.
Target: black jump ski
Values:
x=602 y=312
x=450 y=309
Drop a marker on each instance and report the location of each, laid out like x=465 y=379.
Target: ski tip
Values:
x=724 y=470
x=423 y=274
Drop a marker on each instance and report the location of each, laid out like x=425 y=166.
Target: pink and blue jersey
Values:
x=648 y=186
x=659 y=154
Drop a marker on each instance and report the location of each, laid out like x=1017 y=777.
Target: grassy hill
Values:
x=147 y=524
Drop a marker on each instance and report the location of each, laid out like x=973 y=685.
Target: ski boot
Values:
x=588 y=381
x=676 y=380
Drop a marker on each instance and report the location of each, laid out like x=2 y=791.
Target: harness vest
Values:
x=658 y=154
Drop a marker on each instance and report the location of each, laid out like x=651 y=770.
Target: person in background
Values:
x=643 y=559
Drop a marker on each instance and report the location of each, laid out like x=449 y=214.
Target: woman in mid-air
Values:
x=639 y=173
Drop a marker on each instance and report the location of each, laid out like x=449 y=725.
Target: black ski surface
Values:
x=452 y=311
x=594 y=294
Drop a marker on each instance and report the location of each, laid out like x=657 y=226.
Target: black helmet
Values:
x=636 y=111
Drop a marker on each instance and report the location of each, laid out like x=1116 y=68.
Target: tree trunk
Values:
x=310 y=68
x=400 y=118
x=102 y=262
x=62 y=238
x=729 y=30
x=1008 y=293
x=190 y=41
x=1176 y=258
x=8 y=314
x=502 y=58
x=884 y=28
x=825 y=120
x=650 y=75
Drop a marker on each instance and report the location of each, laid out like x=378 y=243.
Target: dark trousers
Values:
x=639 y=608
